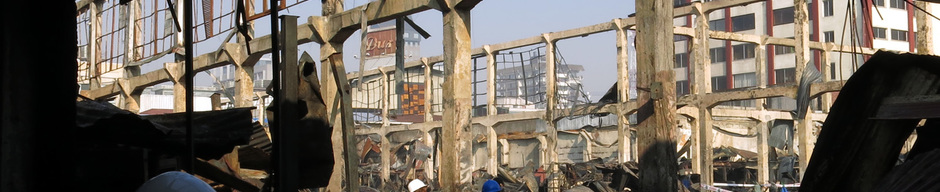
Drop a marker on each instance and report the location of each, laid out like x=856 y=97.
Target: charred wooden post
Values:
x=656 y=132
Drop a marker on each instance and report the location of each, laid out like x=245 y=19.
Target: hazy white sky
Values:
x=493 y=22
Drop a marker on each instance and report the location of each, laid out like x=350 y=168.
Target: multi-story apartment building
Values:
x=880 y=24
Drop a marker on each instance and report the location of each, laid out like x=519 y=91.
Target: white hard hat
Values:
x=414 y=185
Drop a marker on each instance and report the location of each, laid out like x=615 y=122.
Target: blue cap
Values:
x=491 y=186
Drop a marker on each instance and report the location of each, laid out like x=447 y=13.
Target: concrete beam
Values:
x=342 y=25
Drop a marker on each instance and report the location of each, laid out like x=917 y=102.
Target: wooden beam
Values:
x=656 y=130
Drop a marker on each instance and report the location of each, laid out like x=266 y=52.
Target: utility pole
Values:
x=656 y=132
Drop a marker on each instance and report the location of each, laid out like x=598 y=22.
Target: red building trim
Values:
x=728 y=57
x=910 y=28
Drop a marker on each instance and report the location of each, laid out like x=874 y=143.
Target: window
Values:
x=829 y=36
x=742 y=51
x=827 y=8
x=717 y=25
x=898 y=35
x=783 y=16
x=879 y=33
x=682 y=88
x=899 y=4
x=832 y=70
x=676 y=38
x=781 y=49
x=743 y=22
x=682 y=60
x=719 y=83
x=880 y=3
x=717 y=54
x=745 y=80
x=784 y=76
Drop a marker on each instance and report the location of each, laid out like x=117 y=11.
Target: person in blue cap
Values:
x=491 y=186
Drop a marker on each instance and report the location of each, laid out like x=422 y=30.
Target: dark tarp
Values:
x=855 y=151
x=216 y=133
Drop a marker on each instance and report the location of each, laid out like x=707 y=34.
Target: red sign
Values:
x=380 y=43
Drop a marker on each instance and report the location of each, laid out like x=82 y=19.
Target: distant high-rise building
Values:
x=523 y=87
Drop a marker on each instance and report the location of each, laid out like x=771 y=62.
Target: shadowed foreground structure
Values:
x=867 y=127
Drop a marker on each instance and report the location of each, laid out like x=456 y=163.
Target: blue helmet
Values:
x=491 y=186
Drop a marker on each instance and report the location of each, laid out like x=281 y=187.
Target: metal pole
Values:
x=188 y=44
x=276 y=81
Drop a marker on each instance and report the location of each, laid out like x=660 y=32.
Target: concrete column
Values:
x=490 y=80
x=338 y=101
x=588 y=146
x=656 y=116
x=623 y=93
x=386 y=158
x=175 y=72
x=428 y=91
x=805 y=126
x=132 y=98
x=216 y=101
x=701 y=130
x=385 y=100
x=429 y=167
x=492 y=163
x=505 y=154
x=551 y=102
x=94 y=31
x=763 y=156
x=457 y=98
x=130 y=101
x=924 y=38
x=760 y=68
x=543 y=143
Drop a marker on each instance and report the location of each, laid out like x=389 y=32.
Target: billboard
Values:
x=380 y=43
